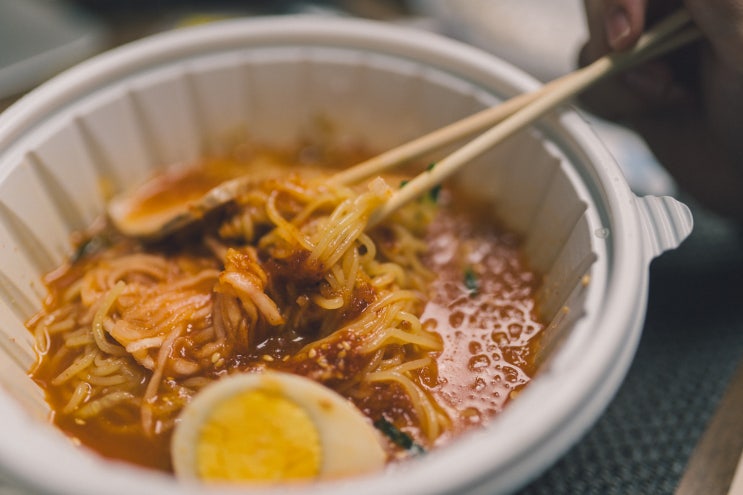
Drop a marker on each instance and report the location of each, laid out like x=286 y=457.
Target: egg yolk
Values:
x=258 y=435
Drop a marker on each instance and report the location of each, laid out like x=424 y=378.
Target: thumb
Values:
x=624 y=21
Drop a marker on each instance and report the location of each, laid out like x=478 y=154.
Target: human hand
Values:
x=689 y=105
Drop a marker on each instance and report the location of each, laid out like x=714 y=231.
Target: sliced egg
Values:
x=269 y=427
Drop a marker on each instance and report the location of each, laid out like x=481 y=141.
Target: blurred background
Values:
x=693 y=336
x=39 y=38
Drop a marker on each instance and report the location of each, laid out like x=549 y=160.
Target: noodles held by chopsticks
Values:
x=288 y=280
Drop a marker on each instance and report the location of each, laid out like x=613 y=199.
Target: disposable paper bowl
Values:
x=174 y=97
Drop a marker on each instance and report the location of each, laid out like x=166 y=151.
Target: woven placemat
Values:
x=692 y=342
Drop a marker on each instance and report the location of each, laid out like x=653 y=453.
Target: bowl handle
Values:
x=666 y=223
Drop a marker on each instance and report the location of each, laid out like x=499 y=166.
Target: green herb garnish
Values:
x=90 y=247
x=470 y=281
x=398 y=437
x=433 y=194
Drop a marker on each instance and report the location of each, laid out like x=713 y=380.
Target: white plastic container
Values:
x=176 y=96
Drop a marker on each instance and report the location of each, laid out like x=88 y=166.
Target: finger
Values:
x=596 y=45
x=612 y=25
x=648 y=88
x=624 y=21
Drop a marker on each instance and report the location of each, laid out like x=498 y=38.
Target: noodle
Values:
x=98 y=332
x=79 y=365
x=81 y=393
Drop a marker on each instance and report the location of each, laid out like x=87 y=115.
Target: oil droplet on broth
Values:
x=478 y=362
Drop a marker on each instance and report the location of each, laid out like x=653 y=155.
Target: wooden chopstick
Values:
x=436 y=139
x=493 y=115
x=736 y=485
x=654 y=43
x=512 y=115
x=711 y=469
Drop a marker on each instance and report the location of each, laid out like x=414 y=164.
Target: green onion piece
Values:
x=399 y=438
x=433 y=194
x=90 y=247
x=470 y=281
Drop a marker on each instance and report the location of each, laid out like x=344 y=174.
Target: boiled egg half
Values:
x=271 y=427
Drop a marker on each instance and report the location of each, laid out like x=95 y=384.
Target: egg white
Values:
x=349 y=444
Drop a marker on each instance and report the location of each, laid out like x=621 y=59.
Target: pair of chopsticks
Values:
x=514 y=114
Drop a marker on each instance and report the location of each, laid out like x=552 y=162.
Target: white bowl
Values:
x=176 y=96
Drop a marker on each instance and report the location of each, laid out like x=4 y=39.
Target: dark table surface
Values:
x=691 y=345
